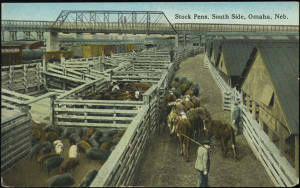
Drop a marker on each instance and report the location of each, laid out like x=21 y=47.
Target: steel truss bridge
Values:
x=134 y=22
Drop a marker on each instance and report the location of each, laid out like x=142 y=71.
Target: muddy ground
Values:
x=161 y=164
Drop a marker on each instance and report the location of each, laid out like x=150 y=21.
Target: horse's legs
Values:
x=180 y=145
x=233 y=144
x=225 y=146
x=222 y=146
x=187 y=149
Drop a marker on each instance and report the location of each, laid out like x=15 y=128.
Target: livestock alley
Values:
x=128 y=103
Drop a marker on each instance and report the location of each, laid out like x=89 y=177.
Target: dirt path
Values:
x=162 y=166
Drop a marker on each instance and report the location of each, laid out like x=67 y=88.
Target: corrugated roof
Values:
x=282 y=63
x=236 y=56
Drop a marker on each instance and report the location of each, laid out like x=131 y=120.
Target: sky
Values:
x=50 y=11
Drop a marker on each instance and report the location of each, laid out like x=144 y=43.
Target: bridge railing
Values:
x=236 y=27
x=154 y=27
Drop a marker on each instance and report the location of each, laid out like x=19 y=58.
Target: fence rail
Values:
x=15 y=133
x=139 y=118
x=226 y=91
x=119 y=169
x=278 y=168
x=23 y=78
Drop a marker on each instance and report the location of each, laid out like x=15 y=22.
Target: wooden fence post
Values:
x=62 y=59
x=110 y=75
x=37 y=73
x=25 y=109
x=25 y=78
x=52 y=120
x=44 y=77
x=146 y=99
x=11 y=76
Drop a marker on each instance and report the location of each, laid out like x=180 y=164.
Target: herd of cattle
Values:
x=48 y=148
x=188 y=119
x=131 y=91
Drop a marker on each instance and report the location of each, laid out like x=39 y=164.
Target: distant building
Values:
x=25 y=44
x=11 y=55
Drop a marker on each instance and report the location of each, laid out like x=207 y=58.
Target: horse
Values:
x=223 y=132
x=183 y=129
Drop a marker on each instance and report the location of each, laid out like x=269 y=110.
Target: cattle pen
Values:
x=62 y=89
x=65 y=84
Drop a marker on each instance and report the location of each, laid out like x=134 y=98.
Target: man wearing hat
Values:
x=236 y=118
x=202 y=163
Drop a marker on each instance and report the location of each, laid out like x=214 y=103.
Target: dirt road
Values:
x=162 y=166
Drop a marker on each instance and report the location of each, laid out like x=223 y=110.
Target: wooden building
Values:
x=11 y=55
x=208 y=48
x=26 y=44
x=233 y=59
x=271 y=93
x=216 y=49
x=234 y=55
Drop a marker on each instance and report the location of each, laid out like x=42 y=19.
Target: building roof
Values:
x=236 y=56
x=282 y=63
x=216 y=44
x=236 y=52
x=208 y=45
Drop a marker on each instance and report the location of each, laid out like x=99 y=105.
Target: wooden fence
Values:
x=225 y=89
x=15 y=137
x=94 y=113
x=23 y=78
x=278 y=168
x=119 y=169
x=12 y=100
x=140 y=118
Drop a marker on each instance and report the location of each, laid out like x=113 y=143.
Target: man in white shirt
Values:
x=202 y=163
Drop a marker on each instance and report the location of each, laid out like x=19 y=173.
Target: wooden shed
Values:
x=216 y=49
x=208 y=48
x=233 y=59
x=234 y=55
x=271 y=93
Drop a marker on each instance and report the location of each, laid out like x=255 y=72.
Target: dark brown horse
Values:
x=223 y=132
